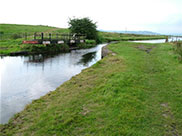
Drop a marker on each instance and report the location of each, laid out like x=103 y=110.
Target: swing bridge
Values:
x=54 y=38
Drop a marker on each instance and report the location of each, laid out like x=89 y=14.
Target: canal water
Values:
x=160 y=40
x=25 y=78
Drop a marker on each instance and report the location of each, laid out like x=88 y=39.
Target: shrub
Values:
x=16 y=36
x=90 y=42
x=84 y=26
x=1 y=34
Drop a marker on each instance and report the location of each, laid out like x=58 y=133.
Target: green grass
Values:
x=12 y=36
x=11 y=31
x=108 y=36
x=15 y=28
x=8 y=46
x=136 y=92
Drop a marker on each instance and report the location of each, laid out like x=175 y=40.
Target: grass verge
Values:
x=10 y=47
x=108 y=36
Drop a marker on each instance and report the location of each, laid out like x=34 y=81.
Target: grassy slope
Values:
x=15 y=28
x=131 y=93
x=14 y=45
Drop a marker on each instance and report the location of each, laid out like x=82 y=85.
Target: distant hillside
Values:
x=15 y=28
x=179 y=34
x=133 y=32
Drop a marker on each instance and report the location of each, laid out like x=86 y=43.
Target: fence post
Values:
x=49 y=36
x=25 y=36
x=35 y=36
x=42 y=36
x=1 y=35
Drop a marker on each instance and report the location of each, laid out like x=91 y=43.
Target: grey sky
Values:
x=163 y=16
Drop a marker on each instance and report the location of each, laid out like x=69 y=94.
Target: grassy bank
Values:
x=108 y=36
x=10 y=47
x=8 y=31
x=11 y=37
x=14 y=47
x=137 y=91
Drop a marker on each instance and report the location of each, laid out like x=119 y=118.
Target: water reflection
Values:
x=26 y=78
x=39 y=58
x=36 y=58
x=86 y=58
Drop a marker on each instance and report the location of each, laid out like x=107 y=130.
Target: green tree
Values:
x=83 y=26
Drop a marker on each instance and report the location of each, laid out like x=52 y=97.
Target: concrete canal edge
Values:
x=105 y=51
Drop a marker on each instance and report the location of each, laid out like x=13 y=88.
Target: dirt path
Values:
x=170 y=126
x=157 y=68
x=145 y=48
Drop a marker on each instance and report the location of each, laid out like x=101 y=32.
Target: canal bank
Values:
x=17 y=48
x=130 y=93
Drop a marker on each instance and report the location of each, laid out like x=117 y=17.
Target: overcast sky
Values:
x=163 y=16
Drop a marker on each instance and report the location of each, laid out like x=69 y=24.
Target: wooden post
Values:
x=49 y=36
x=35 y=36
x=25 y=36
x=166 y=39
x=57 y=36
x=42 y=36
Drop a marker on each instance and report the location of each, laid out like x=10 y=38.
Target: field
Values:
x=136 y=90
x=108 y=36
x=12 y=35
x=9 y=29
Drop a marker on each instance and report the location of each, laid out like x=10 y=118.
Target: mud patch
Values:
x=170 y=126
x=106 y=52
x=85 y=111
x=144 y=48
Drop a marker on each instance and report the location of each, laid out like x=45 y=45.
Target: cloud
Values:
x=110 y=14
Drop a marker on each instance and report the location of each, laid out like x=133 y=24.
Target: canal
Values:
x=26 y=78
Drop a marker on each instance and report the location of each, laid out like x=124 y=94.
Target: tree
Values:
x=83 y=26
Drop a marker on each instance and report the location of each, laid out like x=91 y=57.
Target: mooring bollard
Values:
x=35 y=36
x=49 y=36
x=42 y=36
x=167 y=39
